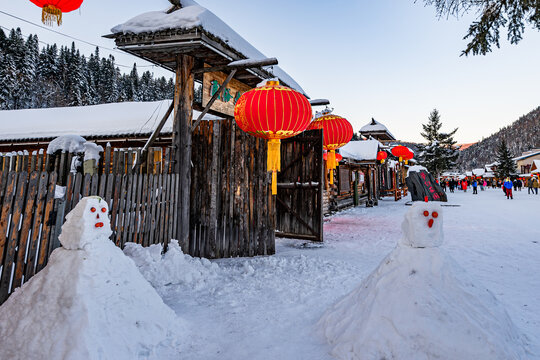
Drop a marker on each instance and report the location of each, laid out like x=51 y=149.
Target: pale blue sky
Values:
x=388 y=59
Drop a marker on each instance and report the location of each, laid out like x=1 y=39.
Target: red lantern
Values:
x=401 y=152
x=337 y=133
x=53 y=9
x=381 y=156
x=273 y=112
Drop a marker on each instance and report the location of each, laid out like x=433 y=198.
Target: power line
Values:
x=115 y=63
x=70 y=37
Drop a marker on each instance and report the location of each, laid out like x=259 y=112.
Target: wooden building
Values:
x=377 y=131
x=358 y=175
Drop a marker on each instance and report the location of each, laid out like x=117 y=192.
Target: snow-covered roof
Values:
x=526 y=155
x=126 y=118
x=478 y=172
x=191 y=16
x=416 y=168
x=361 y=150
x=375 y=126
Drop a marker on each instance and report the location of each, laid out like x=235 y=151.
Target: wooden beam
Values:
x=237 y=65
x=152 y=138
x=319 y=102
x=213 y=99
x=182 y=145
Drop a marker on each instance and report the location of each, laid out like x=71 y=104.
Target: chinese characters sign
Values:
x=224 y=104
x=422 y=185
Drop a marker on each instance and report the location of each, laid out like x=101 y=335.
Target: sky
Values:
x=392 y=60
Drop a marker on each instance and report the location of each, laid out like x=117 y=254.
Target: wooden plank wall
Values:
x=300 y=187
x=232 y=209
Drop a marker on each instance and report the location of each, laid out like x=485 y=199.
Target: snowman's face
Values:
x=86 y=223
x=422 y=226
x=96 y=216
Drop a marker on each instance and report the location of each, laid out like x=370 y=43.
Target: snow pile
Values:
x=419 y=304
x=361 y=150
x=67 y=143
x=174 y=267
x=91 y=151
x=192 y=16
x=89 y=302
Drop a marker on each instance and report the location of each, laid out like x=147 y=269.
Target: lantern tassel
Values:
x=50 y=15
x=331 y=164
x=274 y=161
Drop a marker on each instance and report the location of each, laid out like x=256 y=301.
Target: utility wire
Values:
x=115 y=63
x=71 y=37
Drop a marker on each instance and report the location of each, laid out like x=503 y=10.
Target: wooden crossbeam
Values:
x=140 y=160
x=239 y=65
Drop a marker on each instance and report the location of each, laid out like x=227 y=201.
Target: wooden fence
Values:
x=32 y=208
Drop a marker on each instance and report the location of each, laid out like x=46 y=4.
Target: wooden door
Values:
x=299 y=202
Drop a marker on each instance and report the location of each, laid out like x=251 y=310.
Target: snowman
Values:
x=87 y=223
x=420 y=304
x=89 y=302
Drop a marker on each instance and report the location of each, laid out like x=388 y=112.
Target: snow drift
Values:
x=419 y=304
x=89 y=302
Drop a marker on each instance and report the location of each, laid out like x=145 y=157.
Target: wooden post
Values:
x=183 y=110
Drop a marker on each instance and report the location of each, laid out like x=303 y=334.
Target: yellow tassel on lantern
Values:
x=331 y=164
x=273 y=163
x=50 y=15
x=400 y=159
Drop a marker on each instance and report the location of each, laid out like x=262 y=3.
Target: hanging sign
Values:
x=228 y=98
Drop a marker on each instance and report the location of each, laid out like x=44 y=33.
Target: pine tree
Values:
x=439 y=154
x=507 y=166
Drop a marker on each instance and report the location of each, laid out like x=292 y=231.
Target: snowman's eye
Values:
x=103 y=210
x=435 y=214
x=426 y=213
x=93 y=209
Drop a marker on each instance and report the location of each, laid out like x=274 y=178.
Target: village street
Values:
x=268 y=307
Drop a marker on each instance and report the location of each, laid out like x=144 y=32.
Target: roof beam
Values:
x=239 y=65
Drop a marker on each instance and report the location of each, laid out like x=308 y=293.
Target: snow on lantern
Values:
x=401 y=152
x=337 y=133
x=53 y=9
x=273 y=112
x=381 y=156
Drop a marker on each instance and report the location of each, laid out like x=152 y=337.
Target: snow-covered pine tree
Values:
x=8 y=81
x=507 y=166
x=439 y=154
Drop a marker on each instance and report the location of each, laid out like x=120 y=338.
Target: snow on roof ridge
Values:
x=374 y=125
x=192 y=15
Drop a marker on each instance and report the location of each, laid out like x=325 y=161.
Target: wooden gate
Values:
x=299 y=205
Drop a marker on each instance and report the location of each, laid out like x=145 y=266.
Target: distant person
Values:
x=514 y=183
x=519 y=184
x=451 y=185
x=493 y=184
x=530 y=186
x=475 y=187
x=508 y=185
x=443 y=185
x=535 y=186
x=464 y=186
x=483 y=185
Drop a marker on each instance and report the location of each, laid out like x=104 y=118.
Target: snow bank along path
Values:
x=89 y=302
x=419 y=304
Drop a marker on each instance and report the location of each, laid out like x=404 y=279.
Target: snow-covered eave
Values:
x=194 y=18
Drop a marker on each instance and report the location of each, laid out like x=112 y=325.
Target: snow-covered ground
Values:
x=268 y=307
